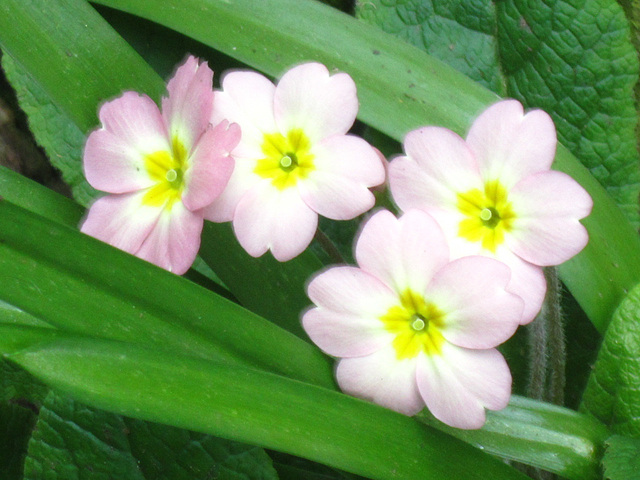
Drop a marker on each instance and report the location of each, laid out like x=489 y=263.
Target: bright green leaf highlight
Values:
x=124 y=298
x=256 y=407
x=613 y=391
x=546 y=436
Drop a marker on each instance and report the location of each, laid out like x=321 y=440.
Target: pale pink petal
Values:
x=309 y=98
x=210 y=166
x=383 y=379
x=267 y=218
x=527 y=281
x=479 y=312
x=352 y=291
x=510 y=145
x=345 y=335
x=121 y=220
x=403 y=253
x=242 y=180
x=175 y=239
x=187 y=110
x=114 y=166
x=246 y=99
x=459 y=384
x=548 y=207
x=437 y=167
x=344 y=167
x=114 y=155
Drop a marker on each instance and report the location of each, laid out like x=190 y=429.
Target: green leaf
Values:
x=621 y=460
x=256 y=407
x=462 y=34
x=539 y=434
x=573 y=59
x=20 y=397
x=400 y=88
x=124 y=298
x=53 y=130
x=72 y=440
x=613 y=390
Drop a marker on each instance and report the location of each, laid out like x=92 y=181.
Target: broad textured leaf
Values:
x=613 y=391
x=573 y=59
x=621 y=459
x=73 y=441
x=54 y=131
x=256 y=407
x=20 y=398
x=546 y=436
x=400 y=88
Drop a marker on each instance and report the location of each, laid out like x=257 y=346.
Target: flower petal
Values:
x=210 y=165
x=403 y=253
x=344 y=335
x=114 y=155
x=549 y=206
x=246 y=99
x=458 y=384
x=187 y=110
x=121 y=220
x=241 y=181
x=267 y=218
x=175 y=240
x=510 y=145
x=438 y=166
x=383 y=379
x=352 y=291
x=309 y=98
x=480 y=313
x=344 y=167
x=527 y=281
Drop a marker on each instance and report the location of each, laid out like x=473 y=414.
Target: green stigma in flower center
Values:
x=287 y=159
x=166 y=168
x=487 y=215
x=418 y=322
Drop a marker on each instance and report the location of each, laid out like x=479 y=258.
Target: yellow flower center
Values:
x=167 y=169
x=416 y=324
x=287 y=159
x=488 y=215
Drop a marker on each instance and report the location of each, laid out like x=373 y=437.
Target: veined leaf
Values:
x=255 y=407
x=72 y=440
x=400 y=88
x=613 y=392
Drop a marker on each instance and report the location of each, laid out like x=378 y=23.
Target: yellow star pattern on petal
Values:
x=488 y=215
x=287 y=159
x=416 y=324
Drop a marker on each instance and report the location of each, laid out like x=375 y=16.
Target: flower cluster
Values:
x=435 y=291
x=267 y=158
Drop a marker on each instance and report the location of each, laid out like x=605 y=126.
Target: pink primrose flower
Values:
x=495 y=195
x=412 y=328
x=295 y=160
x=162 y=169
